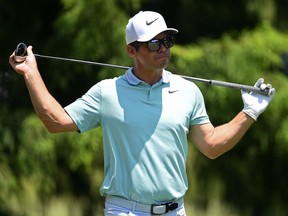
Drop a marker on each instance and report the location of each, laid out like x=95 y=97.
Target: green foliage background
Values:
x=48 y=174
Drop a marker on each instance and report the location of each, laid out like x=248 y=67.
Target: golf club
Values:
x=20 y=55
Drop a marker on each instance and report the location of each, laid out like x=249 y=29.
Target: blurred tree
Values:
x=197 y=18
x=89 y=30
x=35 y=165
x=255 y=167
x=94 y=30
x=22 y=21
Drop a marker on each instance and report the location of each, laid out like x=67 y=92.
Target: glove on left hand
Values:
x=254 y=103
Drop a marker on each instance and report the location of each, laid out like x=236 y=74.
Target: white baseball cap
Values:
x=145 y=25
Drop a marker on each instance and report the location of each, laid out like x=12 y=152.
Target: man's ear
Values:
x=132 y=52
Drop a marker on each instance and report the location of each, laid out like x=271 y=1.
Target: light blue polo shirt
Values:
x=144 y=131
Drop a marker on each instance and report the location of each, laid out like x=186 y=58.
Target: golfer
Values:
x=146 y=116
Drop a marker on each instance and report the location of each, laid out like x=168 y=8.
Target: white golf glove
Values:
x=254 y=103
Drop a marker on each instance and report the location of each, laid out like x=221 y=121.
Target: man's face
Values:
x=153 y=60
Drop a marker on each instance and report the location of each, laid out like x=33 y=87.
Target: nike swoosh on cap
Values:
x=150 y=22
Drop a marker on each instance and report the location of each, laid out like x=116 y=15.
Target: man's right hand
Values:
x=27 y=66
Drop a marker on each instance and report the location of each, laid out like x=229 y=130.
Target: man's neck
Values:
x=151 y=77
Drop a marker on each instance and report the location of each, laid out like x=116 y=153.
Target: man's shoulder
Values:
x=180 y=81
x=110 y=82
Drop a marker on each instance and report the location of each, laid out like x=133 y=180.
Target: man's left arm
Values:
x=214 y=141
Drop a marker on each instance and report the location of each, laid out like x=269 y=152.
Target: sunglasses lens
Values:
x=168 y=42
x=154 y=45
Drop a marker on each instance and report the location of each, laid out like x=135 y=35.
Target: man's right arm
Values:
x=51 y=113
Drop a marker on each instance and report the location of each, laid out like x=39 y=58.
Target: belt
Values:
x=154 y=209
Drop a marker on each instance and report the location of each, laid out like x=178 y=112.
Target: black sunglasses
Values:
x=155 y=45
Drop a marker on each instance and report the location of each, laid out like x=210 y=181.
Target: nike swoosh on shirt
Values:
x=173 y=90
x=150 y=22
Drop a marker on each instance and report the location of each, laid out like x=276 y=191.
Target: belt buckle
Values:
x=162 y=208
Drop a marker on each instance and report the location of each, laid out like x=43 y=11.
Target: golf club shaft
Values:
x=228 y=85
x=81 y=61
x=211 y=82
x=21 y=53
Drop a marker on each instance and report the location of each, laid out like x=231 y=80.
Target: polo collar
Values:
x=133 y=80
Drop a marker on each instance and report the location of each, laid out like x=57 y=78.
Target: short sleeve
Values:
x=85 y=111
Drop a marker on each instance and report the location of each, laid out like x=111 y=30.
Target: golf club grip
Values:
x=239 y=86
x=20 y=52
